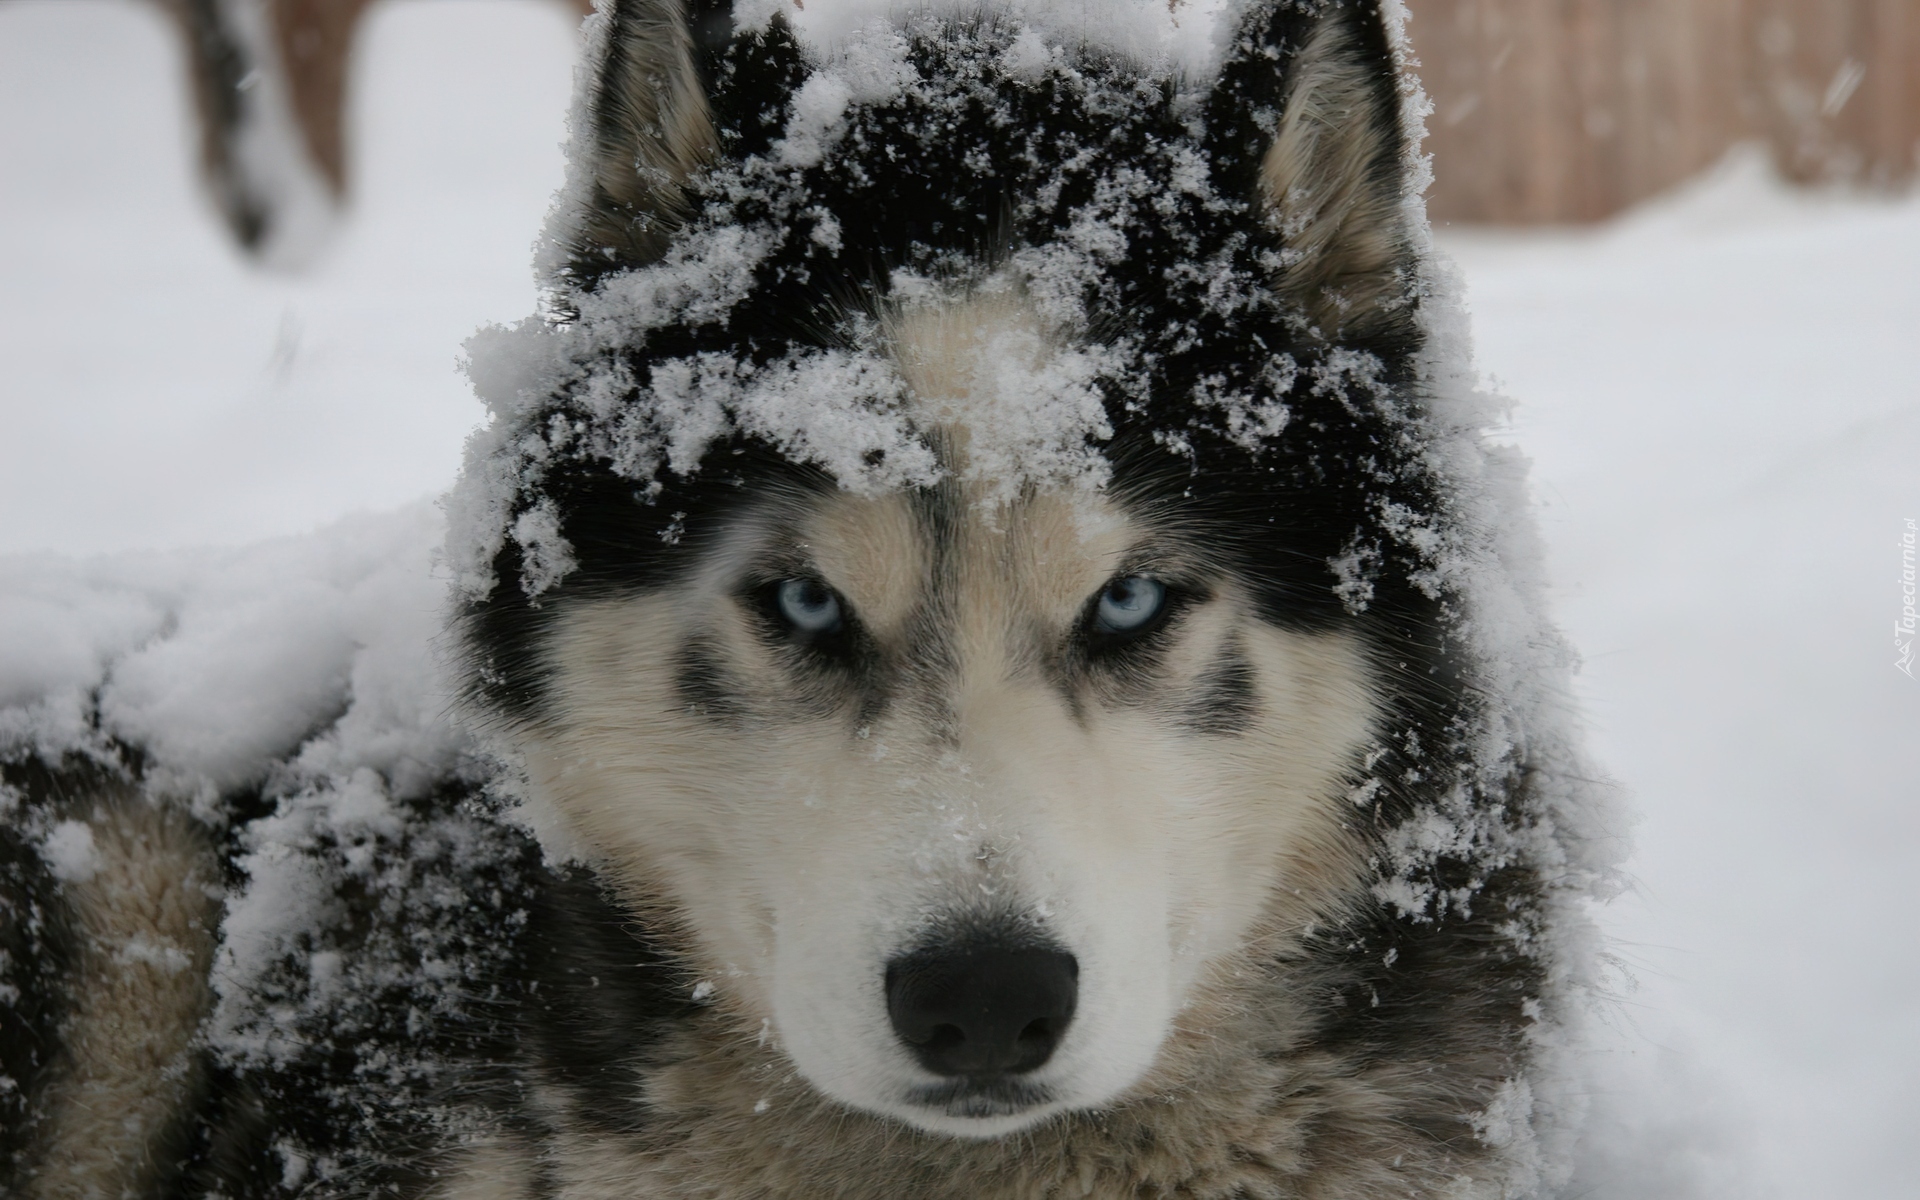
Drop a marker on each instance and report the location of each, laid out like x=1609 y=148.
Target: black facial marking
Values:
x=627 y=541
x=1092 y=667
x=752 y=76
x=1224 y=701
x=703 y=684
x=710 y=24
x=606 y=1000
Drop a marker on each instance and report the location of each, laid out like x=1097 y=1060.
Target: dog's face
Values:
x=963 y=790
x=964 y=798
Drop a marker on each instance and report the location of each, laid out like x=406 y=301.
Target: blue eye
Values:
x=1129 y=604
x=808 y=605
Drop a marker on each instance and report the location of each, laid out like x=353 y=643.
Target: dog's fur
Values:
x=760 y=820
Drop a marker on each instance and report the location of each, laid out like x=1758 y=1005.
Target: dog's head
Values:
x=942 y=591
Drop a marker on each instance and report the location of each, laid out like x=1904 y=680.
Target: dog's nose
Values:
x=982 y=1011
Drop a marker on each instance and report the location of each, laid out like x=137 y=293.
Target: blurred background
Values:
x=241 y=242
x=1546 y=111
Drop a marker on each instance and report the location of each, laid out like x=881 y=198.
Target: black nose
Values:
x=984 y=1010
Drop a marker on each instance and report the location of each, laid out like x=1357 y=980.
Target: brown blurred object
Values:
x=315 y=38
x=1571 y=110
x=269 y=79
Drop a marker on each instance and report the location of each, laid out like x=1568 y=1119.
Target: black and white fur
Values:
x=832 y=777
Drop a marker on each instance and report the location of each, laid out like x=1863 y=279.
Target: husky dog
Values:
x=973 y=590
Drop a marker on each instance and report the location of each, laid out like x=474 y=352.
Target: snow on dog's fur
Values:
x=978 y=589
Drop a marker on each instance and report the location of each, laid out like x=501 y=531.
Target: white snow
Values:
x=1179 y=33
x=1719 y=395
x=69 y=852
x=219 y=662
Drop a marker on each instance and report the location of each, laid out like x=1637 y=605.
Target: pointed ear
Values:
x=649 y=128
x=1313 y=93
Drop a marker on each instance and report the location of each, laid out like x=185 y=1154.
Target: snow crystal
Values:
x=69 y=852
x=871 y=65
x=544 y=555
x=1252 y=420
x=1355 y=571
x=168 y=958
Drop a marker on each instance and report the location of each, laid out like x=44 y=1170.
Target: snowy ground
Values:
x=1719 y=394
x=1720 y=397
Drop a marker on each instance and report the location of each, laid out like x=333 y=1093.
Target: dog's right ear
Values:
x=659 y=112
x=1306 y=121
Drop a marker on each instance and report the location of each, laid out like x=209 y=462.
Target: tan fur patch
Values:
x=1010 y=399
x=499 y=1169
x=942 y=349
x=144 y=910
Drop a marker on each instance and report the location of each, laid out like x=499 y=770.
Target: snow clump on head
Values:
x=648 y=370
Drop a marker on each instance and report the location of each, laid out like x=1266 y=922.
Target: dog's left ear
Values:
x=674 y=88
x=650 y=128
x=1306 y=121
